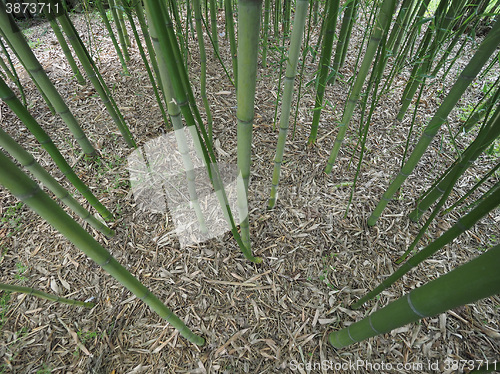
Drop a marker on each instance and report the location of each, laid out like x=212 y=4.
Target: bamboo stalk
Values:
x=203 y=64
x=486 y=136
x=183 y=96
x=64 y=46
x=324 y=66
x=474 y=66
x=20 y=110
x=462 y=225
x=291 y=71
x=30 y=193
x=44 y=295
x=249 y=12
x=119 y=30
x=380 y=29
x=27 y=160
x=18 y=42
x=466 y=284
x=95 y=77
x=228 y=7
x=112 y=36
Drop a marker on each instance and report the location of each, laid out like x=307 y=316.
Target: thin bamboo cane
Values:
x=265 y=36
x=95 y=77
x=13 y=76
x=112 y=36
x=473 y=151
x=27 y=160
x=479 y=59
x=291 y=71
x=44 y=295
x=64 y=46
x=169 y=48
x=175 y=116
x=472 y=281
x=228 y=8
x=213 y=23
x=491 y=172
x=128 y=11
x=20 y=110
x=344 y=37
x=203 y=63
x=121 y=20
x=139 y=12
x=119 y=30
x=30 y=193
x=324 y=66
x=462 y=225
x=249 y=12
x=18 y=42
x=446 y=187
x=427 y=55
x=380 y=29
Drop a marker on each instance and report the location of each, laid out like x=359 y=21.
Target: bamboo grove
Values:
x=398 y=34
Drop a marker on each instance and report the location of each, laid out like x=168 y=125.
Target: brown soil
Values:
x=317 y=260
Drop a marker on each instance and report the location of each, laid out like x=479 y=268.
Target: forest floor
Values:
x=268 y=318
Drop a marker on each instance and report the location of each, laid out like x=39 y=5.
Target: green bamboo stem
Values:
x=249 y=12
x=483 y=107
x=26 y=190
x=305 y=51
x=44 y=295
x=119 y=30
x=119 y=11
x=486 y=137
x=463 y=224
x=291 y=71
x=265 y=37
x=160 y=21
x=382 y=22
x=474 y=188
x=374 y=82
x=95 y=77
x=112 y=36
x=213 y=23
x=400 y=25
x=175 y=116
x=315 y=11
x=177 y=18
x=324 y=66
x=344 y=38
x=18 y=42
x=13 y=76
x=27 y=160
x=451 y=179
x=145 y=60
x=276 y=17
x=20 y=110
x=474 y=66
x=417 y=16
x=218 y=55
x=64 y=46
x=203 y=63
x=286 y=17
x=228 y=8
x=37 y=85
x=466 y=284
x=427 y=55
x=139 y=12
